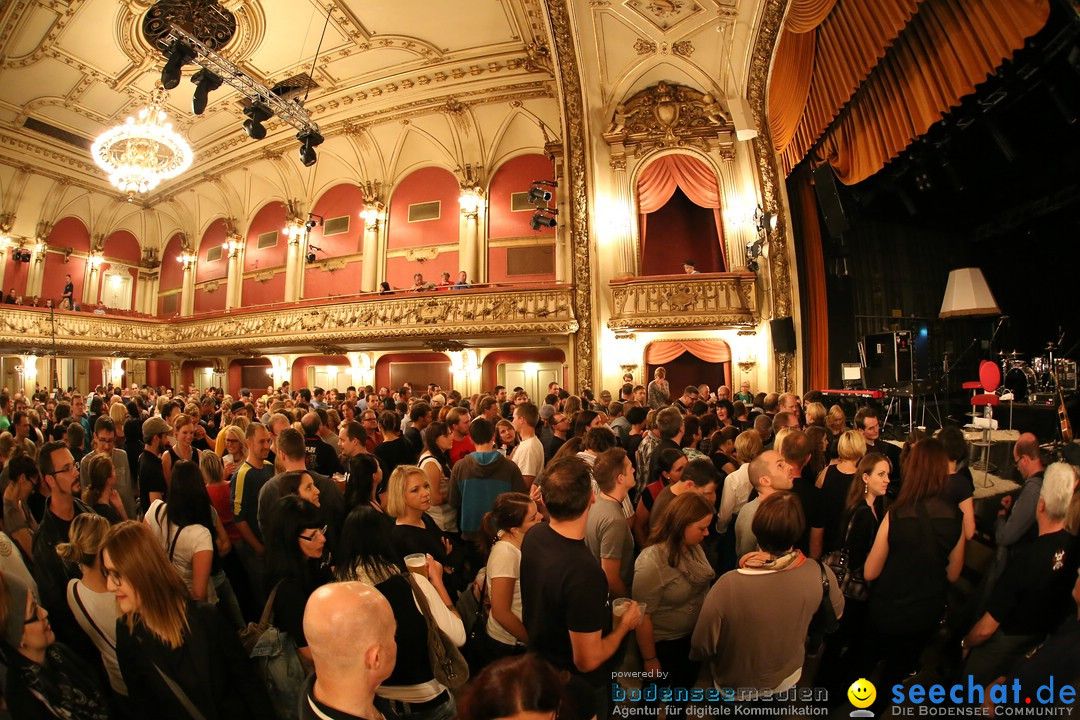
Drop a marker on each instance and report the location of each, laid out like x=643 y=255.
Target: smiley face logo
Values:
x=862 y=693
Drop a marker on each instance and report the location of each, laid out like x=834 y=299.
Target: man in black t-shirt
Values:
x=321 y=456
x=1032 y=595
x=563 y=588
x=151 y=475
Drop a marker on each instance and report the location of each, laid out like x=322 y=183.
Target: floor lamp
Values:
x=966 y=295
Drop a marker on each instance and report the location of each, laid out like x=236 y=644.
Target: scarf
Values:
x=761 y=560
x=62 y=687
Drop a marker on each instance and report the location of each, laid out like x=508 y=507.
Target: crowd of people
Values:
x=310 y=553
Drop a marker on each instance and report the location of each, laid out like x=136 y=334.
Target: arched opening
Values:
x=532 y=370
x=393 y=370
x=251 y=373
x=690 y=362
x=680 y=216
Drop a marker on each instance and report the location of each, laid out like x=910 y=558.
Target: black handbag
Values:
x=824 y=620
x=852 y=583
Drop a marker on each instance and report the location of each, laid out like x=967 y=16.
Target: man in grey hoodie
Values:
x=480 y=477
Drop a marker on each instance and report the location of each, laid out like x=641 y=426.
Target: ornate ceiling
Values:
x=400 y=84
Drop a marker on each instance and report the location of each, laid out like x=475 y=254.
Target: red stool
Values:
x=986 y=401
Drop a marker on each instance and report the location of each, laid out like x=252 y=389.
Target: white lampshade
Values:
x=967 y=295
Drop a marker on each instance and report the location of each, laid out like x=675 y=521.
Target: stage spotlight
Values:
x=308 y=142
x=179 y=56
x=537 y=196
x=310 y=224
x=541 y=219
x=310 y=257
x=205 y=82
x=257 y=115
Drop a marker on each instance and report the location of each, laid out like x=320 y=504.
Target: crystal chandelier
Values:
x=141 y=153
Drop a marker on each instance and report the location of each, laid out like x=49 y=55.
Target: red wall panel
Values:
x=15 y=276
x=515 y=176
x=382 y=365
x=213 y=237
x=337 y=201
x=67 y=233
x=210 y=301
x=497 y=269
x=188 y=370
x=319 y=283
x=94 y=375
x=158 y=372
x=172 y=271
x=399 y=271
x=301 y=365
x=123 y=246
x=425 y=185
x=262 y=293
x=489 y=368
x=271 y=218
x=239 y=369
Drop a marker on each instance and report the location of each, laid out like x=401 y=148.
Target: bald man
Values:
x=350 y=631
x=769 y=473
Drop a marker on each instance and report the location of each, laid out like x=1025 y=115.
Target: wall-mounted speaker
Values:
x=828 y=198
x=783 y=334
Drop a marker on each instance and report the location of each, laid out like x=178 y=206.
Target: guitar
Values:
x=1063 y=418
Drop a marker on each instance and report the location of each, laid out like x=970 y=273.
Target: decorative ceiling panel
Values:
x=34 y=27
x=666 y=15
x=90 y=37
x=452 y=27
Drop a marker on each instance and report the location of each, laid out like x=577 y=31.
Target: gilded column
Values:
x=471 y=201
x=295 y=260
x=622 y=211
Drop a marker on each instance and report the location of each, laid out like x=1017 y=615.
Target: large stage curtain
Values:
x=805 y=15
x=950 y=47
x=790 y=85
x=662 y=176
x=659 y=352
x=815 y=297
x=848 y=44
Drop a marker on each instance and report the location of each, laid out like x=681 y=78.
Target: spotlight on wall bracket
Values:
x=310 y=257
x=205 y=83
x=544 y=218
x=308 y=142
x=257 y=115
x=312 y=222
x=178 y=56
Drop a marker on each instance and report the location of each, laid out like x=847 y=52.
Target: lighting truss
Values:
x=291 y=112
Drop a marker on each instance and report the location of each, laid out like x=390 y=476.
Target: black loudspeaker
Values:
x=829 y=201
x=783 y=334
x=889 y=361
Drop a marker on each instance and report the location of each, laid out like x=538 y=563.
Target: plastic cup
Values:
x=417 y=563
x=619 y=606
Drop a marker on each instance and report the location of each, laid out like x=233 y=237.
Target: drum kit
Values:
x=1045 y=375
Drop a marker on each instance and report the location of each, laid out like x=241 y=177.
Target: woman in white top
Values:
x=435 y=463
x=93 y=606
x=510 y=518
x=185 y=528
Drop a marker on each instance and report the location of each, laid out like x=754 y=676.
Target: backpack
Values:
x=278 y=660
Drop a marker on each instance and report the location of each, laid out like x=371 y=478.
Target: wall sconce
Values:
x=95 y=260
x=187 y=259
x=295 y=229
x=233 y=245
x=372 y=215
x=67 y=254
x=747 y=363
x=470 y=200
x=764 y=221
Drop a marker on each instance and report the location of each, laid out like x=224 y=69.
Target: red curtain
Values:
x=789 y=85
x=805 y=15
x=815 y=297
x=659 y=352
x=662 y=176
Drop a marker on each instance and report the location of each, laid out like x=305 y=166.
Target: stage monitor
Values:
x=851 y=375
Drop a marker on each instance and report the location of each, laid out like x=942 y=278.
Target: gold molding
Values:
x=574 y=119
x=475 y=313
x=769 y=171
x=684 y=302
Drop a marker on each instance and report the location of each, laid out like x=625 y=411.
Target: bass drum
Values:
x=1021 y=382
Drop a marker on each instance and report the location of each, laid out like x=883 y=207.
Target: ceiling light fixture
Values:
x=178 y=56
x=205 y=83
x=257 y=115
x=138 y=155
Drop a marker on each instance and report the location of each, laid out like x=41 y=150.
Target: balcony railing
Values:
x=705 y=300
x=474 y=312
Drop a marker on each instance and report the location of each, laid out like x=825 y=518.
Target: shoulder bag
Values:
x=447 y=663
x=852 y=583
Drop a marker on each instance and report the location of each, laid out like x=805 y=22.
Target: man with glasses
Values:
x=369 y=419
x=560 y=426
x=105 y=444
x=60 y=475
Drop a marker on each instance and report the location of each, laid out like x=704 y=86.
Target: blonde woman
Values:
x=181 y=449
x=415 y=531
x=93 y=606
x=235 y=443
x=172 y=650
x=833 y=484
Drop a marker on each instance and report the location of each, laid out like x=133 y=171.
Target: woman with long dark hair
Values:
x=295 y=563
x=917 y=553
x=504 y=527
x=186 y=530
x=367 y=554
x=174 y=652
x=833 y=484
x=672 y=463
x=364 y=477
x=435 y=462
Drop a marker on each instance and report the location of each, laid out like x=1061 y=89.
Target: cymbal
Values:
x=1015 y=354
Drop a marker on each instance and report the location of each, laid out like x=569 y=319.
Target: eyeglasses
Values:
x=63 y=471
x=314 y=534
x=111 y=574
